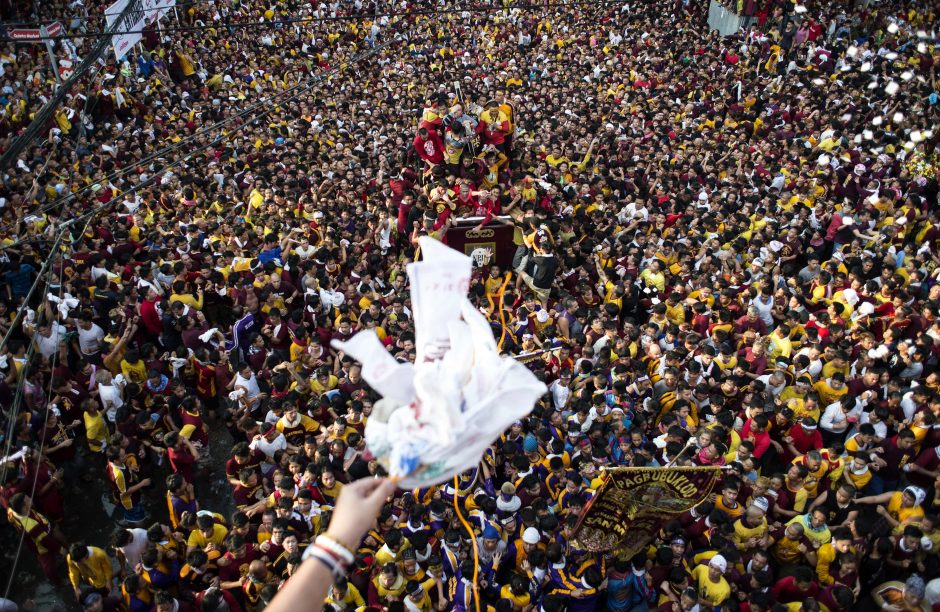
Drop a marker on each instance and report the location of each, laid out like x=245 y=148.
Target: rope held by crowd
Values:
x=473 y=541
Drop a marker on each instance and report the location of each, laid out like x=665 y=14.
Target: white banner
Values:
x=141 y=14
x=156 y=9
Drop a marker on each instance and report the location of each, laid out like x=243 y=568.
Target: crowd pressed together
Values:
x=725 y=254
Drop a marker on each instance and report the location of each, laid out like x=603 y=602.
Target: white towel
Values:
x=206 y=337
x=64 y=304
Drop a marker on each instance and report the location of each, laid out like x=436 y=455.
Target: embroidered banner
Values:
x=633 y=504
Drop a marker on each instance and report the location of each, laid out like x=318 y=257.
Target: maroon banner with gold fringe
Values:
x=633 y=504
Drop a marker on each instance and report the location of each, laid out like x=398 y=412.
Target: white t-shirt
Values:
x=249 y=384
x=135 y=547
x=49 y=345
x=89 y=340
x=269 y=448
x=110 y=396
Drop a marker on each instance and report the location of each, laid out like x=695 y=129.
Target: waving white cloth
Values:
x=64 y=304
x=438 y=416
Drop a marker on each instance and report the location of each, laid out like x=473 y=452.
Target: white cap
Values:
x=542 y=316
x=531 y=536
x=718 y=562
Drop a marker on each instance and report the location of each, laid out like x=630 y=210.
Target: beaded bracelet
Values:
x=337 y=549
x=323 y=556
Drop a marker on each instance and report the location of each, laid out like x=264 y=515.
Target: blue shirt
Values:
x=269 y=255
x=20 y=280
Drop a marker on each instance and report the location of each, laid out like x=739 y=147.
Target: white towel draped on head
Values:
x=439 y=415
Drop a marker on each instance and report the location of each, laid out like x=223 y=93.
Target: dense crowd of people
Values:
x=725 y=254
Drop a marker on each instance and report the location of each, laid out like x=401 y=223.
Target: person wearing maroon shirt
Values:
x=750 y=321
x=277 y=333
x=243 y=457
x=248 y=495
x=182 y=455
x=68 y=398
x=869 y=381
x=837 y=598
x=788 y=496
x=353 y=381
x=896 y=453
x=924 y=470
x=798 y=587
x=233 y=565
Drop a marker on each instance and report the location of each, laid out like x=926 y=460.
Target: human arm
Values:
x=358 y=505
x=883 y=498
x=75 y=576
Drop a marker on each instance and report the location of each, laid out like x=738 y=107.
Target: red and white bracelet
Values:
x=335 y=548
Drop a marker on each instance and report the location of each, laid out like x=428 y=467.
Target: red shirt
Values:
x=785 y=590
x=761 y=440
x=804 y=441
x=430 y=149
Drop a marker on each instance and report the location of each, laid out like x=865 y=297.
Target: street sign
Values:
x=34 y=35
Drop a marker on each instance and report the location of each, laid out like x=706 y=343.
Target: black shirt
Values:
x=836 y=515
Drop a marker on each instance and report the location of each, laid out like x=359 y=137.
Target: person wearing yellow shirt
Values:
x=207 y=532
x=902 y=507
x=831 y=389
x=554 y=160
x=296 y=426
x=781 y=344
x=840 y=544
x=390 y=552
x=133 y=367
x=750 y=531
x=814 y=526
x=323 y=381
x=344 y=596
x=186 y=298
x=89 y=565
x=713 y=590
x=727 y=502
x=96 y=430
x=389 y=583
x=418 y=594
x=675 y=310
x=516 y=593
x=653 y=277
x=838 y=363
x=816 y=468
